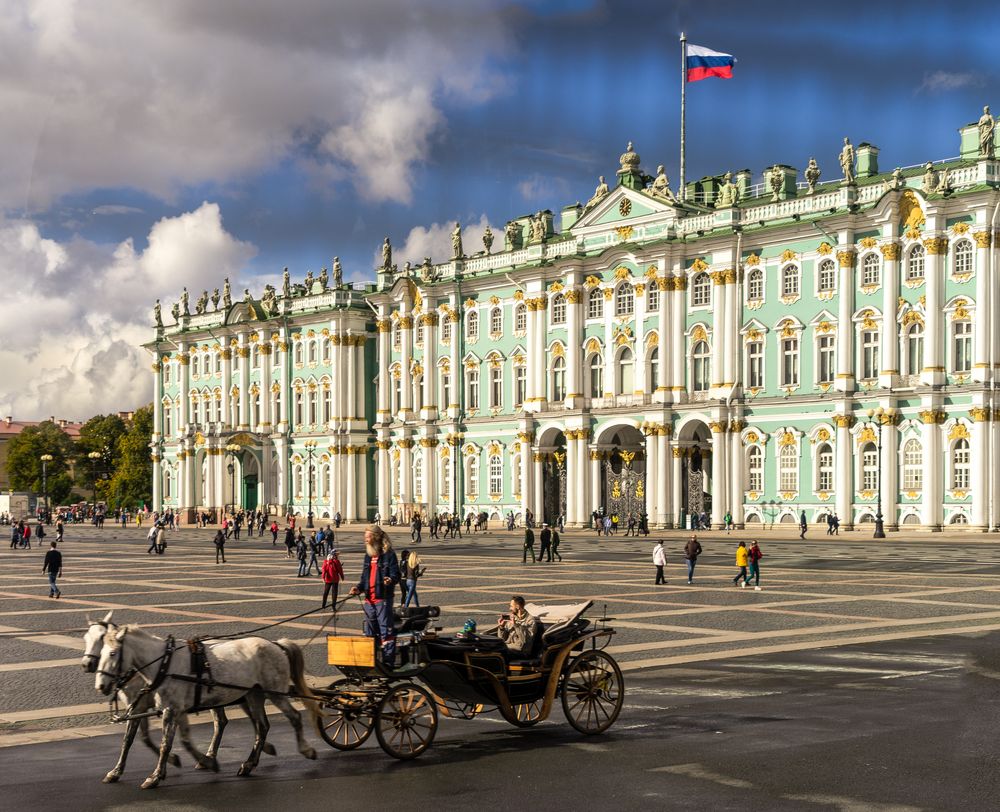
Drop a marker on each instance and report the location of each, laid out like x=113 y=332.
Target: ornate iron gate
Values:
x=554 y=487
x=625 y=490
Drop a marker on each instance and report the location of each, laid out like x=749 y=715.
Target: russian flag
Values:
x=703 y=63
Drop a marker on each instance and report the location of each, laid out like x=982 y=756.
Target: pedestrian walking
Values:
x=691 y=552
x=40 y=534
x=741 y=562
x=728 y=520
x=415 y=527
x=26 y=536
x=546 y=539
x=332 y=574
x=151 y=538
x=313 y=555
x=803 y=525
x=529 y=545
x=659 y=561
x=53 y=566
x=829 y=524
x=836 y=524
x=301 y=552
x=15 y=535
x=59 y=530
x=274 y=532
x=754 y=555
x=413 y=572
x=289 y=541
x=220 y=546
x=555 y=545
x=161 y=539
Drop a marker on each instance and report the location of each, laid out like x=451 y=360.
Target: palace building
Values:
x=759 y=350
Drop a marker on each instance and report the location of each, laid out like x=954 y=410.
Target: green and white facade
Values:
x=639 y=354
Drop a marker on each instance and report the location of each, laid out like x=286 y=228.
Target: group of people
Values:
x=20 y=534
x=549 y=537
x=747 y=560
x=609 y=524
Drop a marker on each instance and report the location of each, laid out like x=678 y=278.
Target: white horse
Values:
x=131 y=693
x=248 y=670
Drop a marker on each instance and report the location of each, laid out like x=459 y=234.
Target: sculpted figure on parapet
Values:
x=661 y=185
x=986 y=125
x=157 y=315
x=812 y=175
x=338 y=273
x=386 y=255
x=269 y=300
x=227 y=294
x=513 y=234
x=600 y=192
x=286 y=285
x=215 y=299
x=847 y=162
x=729 y=193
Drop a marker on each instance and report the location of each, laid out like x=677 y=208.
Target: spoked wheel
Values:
x=406 y=721
x=527 y=714
x=347 y=720
x=593 y=692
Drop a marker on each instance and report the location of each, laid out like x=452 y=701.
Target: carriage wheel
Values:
x=406 y=721
x=593 y=692
x=527 y=714
x=346 y=721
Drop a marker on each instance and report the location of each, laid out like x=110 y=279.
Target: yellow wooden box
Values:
x=350 y=651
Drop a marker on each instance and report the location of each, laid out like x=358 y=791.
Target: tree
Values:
x=25 y=466
x=100 y=434
x=131 y=484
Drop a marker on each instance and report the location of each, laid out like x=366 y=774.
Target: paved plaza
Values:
x=862 y=676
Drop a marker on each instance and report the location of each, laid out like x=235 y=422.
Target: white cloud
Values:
x=75 y=314
x=941 y=80
x=156 y=96
x=543 y=188
x=434 y=241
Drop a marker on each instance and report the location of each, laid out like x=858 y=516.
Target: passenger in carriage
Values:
x=379 y=576
x=518 y=629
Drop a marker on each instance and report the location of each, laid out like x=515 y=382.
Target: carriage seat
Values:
x=414 y=619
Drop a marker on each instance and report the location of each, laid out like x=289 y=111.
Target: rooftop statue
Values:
x=269 y=300
x=247 y=298
x=215 y=299
x=286 y=285
x=812 y=175
x=227 y=294
x=775 y=181
x=456 y=242
x=324 y=279
x=538 y=228
x=986 y=125
x=512 y=232
x=175 y=311
x=386 y=255
x=930 y=181
x=488 y=240
x=184 y=303
x=847 y=162
x=338 y=273
x=600 y=192
x=944 y=182
x=729 y=193
x=202 y=304
x=309 y=283
x=897 y=178
x=157 y=315
x=661 y=185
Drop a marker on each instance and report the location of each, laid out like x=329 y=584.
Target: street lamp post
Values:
x=878 y=417
x=310 y=447
x=46 y=459
x=233 y=449
x=94 y=456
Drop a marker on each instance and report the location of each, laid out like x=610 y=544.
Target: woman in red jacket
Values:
x=332 y=574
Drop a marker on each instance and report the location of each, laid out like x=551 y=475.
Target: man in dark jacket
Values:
x=379 y=576
x=53 y=566
x=529 y=544
x=691 y=552
x=546 y=548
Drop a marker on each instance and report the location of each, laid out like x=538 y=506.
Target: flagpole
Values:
x=681 y=189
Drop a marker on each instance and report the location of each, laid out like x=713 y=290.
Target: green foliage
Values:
x=131 y=484
x=100 y=434
x=25 y=466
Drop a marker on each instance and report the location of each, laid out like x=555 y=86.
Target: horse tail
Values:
x=297 y=666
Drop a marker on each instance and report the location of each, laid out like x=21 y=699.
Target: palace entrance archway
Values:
x=623 y=473
x=694 y=443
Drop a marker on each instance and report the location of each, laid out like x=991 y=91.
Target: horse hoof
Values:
x=149 y=783
x=244 y=770
x=174 y=760
x=111 y=777
x=269 y=749
x=309 y=753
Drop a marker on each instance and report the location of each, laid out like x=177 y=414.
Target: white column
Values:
x=596 y=499
x=157 y=399
x=574 y=350
x=537 y=481
x=984 y=311
x=720 y=484
x=384 y=326
x=930 y=509
x=265 y=390
x=736 y=472
x=572 y=475
x=653 y=506
x=456 y=370
x=845 y=474
x=979 y=475
x=667 y=348
x=431 y=406
x=845 y=325
x=890 y=472
x=406 y=470
x=934 y=327
x=406 y=380
x=384 y=476
x=189 y=475
x=664 y=491
x=583 y=467
x=227 y=384
x=993 y=505
x=285 y=381
x=208 y=496
x=676 y=482
x=890 y=329
x=183 y=361
x=157 y=483
x=677 y=345
x=361 y=462
x=719 y=348
x=526 y=469
x=360 y=387
x=352 y=377
x=351 y=508
x=732 y=344
x=243 y=351
x=282 y=490
x=429 y=451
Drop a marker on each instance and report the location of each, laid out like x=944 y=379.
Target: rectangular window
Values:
x=789 y=362
x=825 y=478
x=788 y=469
x=869 y=355
x=520 y=385
x=755 y=365
x=963 y=346
x=445 y=329
x=825 y=367
x=653 y=297
x=445 y=390
x=472 y=398
x=496 y=388
x=869 y=468
x=827 y=276
x=496 y=476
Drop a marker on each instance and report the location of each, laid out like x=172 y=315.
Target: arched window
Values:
x=700 y=366
x=869 y=467
x=558 y=309
x=595 y=304
x=313 y=405
x=446 y=399
x=168 y=483
x=444 y=478
x=625 y=300
x=963 y=257
x=324 y=481
x=961 y=356
x=914 y=349
x=960 y=466
x=419 y=332
x=559 y=379
x=790 y=361
x=755 y=285
x=826 y=277
x=496 y=475
x=472 y=325
x=298 y=479
x=652 y=297
x=496 y=322
x=218 y=363
x=299 y=352
x=397 y=336
x=701 y=290
x=824 y=468
x=596 y=377
x=520 y=318
x=788 y=468
x=168 y=419
x=790 y=280
x=300 y=408
x=396 y=393
x=515 y=474
x=755 y=469
x=869 y=355
x=871 y=270
x=445 y=328
x=915 y=263
x=913 y=466
x=255 y=417
x=472 y=476
x=418 y=479
x=167 y=372
x=625 y=372
x=326 y=350
x=195 y=364
x=327 y=403
x=654 y=369
x=313 y=352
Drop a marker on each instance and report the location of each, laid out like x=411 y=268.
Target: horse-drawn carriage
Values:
x=467 y=674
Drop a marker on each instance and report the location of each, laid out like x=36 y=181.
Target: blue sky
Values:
x=312 y=129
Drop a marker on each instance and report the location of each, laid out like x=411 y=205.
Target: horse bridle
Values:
x=93 y=659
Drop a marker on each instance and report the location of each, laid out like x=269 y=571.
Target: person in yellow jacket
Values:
x=741 y=562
